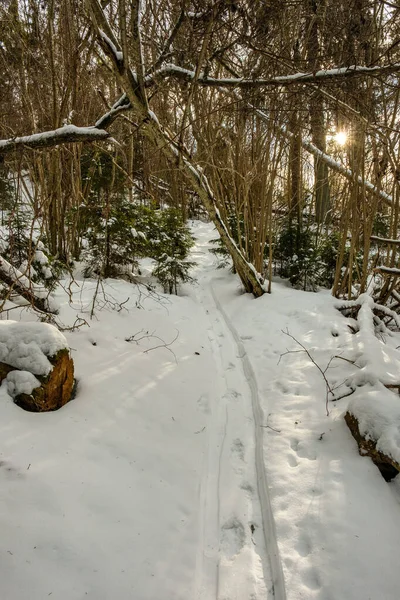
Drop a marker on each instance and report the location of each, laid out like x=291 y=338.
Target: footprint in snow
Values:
x=282 y=387
x=302 y=449
x=303 y=546
x=203 y=403
x=247 y=487
x=237 y=449
x=232 y=537
x=232 y=395
x=311 y=579
x=10 y=471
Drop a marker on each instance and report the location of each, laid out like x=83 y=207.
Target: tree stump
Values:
x=37 y=365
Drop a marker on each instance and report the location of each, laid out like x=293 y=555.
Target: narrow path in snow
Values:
x=238 y=556
x=268 y=524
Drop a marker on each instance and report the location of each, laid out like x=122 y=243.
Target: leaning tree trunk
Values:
x=134 y=88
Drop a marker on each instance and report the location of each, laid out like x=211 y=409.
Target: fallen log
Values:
x=388 y=467
x=38 y=296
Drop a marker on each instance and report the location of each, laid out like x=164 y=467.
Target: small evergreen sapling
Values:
x=171 y=270
x=170 y=249
x=22 y=246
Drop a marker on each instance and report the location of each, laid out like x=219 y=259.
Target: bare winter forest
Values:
x=151 y=151
x=279 y=120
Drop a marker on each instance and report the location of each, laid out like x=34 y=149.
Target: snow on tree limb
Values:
x=121 y=105
x=47 y=139
x=381 y=240
x=171 y=70
x=387 y=271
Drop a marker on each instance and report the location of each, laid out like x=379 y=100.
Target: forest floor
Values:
x=197 y=461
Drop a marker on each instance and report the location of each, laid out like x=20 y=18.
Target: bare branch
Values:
x=169 y=41
x=304 y=349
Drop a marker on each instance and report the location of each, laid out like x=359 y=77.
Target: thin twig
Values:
x=304 y=349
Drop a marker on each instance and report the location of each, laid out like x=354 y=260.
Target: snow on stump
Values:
x=35 y=365
x=373 y=417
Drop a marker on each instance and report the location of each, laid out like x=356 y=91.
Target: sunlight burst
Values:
x=341 y=138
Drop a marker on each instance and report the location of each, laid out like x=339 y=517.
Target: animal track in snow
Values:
x=232 y=537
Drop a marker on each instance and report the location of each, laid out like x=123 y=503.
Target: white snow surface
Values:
x=26 y=346
x=157 y=480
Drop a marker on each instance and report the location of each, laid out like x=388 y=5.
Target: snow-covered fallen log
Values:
x=38 y=296
x=373 y=417
x=373 y=414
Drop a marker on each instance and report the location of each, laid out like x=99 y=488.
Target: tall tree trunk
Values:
x=318 y=127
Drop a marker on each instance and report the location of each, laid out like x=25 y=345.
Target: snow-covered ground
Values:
x=204 y=470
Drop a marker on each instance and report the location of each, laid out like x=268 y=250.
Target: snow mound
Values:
x=21 y=382
x=26 y=346
x=377 y=411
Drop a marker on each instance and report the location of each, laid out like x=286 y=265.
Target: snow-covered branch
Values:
x=46 y=139
x=121 y=105
x=381 y=240
x=387 y=271
x=171 y=70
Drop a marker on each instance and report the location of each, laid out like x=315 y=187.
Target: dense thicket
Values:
x=212 y=117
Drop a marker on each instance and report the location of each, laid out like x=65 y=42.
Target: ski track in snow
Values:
x=153 y=481
x=268 y=523
x=238 y=555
